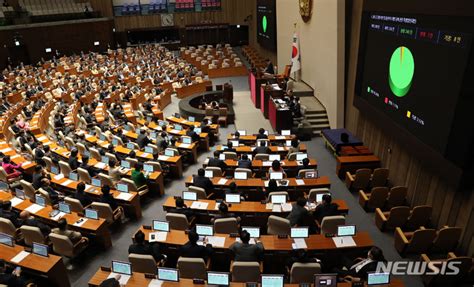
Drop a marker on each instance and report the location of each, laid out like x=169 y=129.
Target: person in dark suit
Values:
x=8 y=213
x=181 y=208
x=270 y=69
x=243 y=251
x=200 y=180
x=262 y=148
x=305 y=165
x=191 y=133
x=261 y=134
x=326 y=208
x=233 y=190
x=108 y=198
x=143 y=248
x=90 y=169
x=244 y=162
x=81 y=195
x=39 y=152
x=357 y=269
x=73 y=160
x=298 y=212
x=272 y=187
x=193 y=250
x=38 y=176
x=11 y=278
x=216 y=162
x=29 y=220
x=143 y=139
x=230 y=147
x=53 y=195
x=224 y=213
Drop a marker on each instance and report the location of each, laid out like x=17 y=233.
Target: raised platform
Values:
x=189 y=106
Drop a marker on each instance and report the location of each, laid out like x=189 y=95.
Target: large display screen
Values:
x=266 y=24
x=412 y=68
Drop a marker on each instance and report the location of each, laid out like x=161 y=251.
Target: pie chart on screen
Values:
x=401 y=71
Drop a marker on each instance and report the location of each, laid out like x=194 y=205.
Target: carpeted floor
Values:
x=250 y=119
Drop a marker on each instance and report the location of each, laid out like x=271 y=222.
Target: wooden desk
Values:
x=96 y=228
x=354 y=150
x=139 y=280
x=253 y=138
x=27 y=166
x=132 y=204
x=283 y=150
x=52 y=266
x=353 y=163
x=260 y=183
x=197 y=88
x=272 y=243
x=244 y=207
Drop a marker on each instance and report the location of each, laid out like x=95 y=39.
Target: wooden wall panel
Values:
x=451 y=206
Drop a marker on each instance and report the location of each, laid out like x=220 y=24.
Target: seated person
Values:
x=191 y=133
x=224 y=213
x=193 y=250
x=233 y=190
x=230 y=148
x=295 y=147
x=298 y=212
x=236 y=136
x=29 y=220
x=276 y=167
x=142 y=139
x=111 y=282
x=38 y=175
x=244 y=162
x=269 y=71
x=261 y=149
x=81 y=195
x=108 y=198
x=114 y=171
x=272 y=187
x=10 y=168
x=9 y=277
x=243 y=251
x=74 y=236
x=181 y=208
x=142 y=247
x=305 y=165
x=53 y=194
x=216 y=162
x=138 y=176
x=300 y=256
x=73 y=160
x=7 y=212
x=261 y=134
x=85 y=165
x=356 y=270
x=325 y=208
x=200 y=180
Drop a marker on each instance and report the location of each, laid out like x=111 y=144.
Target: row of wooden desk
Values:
x=139 y=280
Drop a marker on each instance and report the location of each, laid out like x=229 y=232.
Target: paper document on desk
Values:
x=345 y=241
x=58 y=216
x=25 y=163
x=276 y=208
x=199 y=205
x=123 y=278
x=14 y=156
x=59 y=176
x=34 y=208
x=5 y=150
x=174 y=132
x=84 y=220
x=100 y=165
x=300 y=182
x=269 y=206
x=158 y=236
x=67 y=182
x=42 y=138
x=286 y=207
x=222 y=181
x=145 y=154
x=216 y=241
x=15 y=201
x=280 y=138
x=19 y=257
x=124 y=196
x=267 y=163
x=155 y=283
x=299 y=243
x=185 y=145
x=163 y=157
